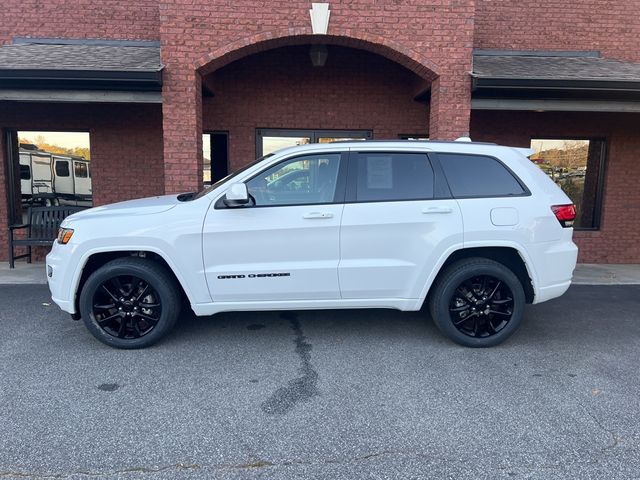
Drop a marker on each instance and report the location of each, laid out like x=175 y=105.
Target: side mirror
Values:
x=237 y=195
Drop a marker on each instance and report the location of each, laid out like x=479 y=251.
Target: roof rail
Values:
x=401 y=140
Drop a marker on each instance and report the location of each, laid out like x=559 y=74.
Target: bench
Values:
x=42 y=229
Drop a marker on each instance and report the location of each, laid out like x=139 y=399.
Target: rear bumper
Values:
x=551 y=291
x=555 y=263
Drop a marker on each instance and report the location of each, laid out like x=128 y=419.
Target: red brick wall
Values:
x=437 y=38
x=613 y=27
x=617 y=240
x=112 y=19
x=126 y=147
x=355 y=90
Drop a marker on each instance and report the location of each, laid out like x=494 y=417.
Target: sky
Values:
x=62 y=139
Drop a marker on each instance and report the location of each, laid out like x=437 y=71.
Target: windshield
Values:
x=212 y=187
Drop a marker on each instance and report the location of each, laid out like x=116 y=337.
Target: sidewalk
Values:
x=585 y=274
x=24 y=273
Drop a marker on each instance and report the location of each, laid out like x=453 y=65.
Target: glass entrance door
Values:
x=270 y=140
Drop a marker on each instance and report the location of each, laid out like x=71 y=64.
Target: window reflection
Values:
x=55 y=168
x=576 y=165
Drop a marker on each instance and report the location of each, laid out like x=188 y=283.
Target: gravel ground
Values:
x=336 y=394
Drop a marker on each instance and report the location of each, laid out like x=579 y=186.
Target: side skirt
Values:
x=404 y=304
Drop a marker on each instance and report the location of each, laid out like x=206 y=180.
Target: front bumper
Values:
x=60 y=273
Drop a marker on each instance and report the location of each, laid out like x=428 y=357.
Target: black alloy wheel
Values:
x=477 y=302
x=130 y=302
x=481 y=306
x=125 y=306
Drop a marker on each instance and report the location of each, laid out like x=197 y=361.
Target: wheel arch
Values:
x=508 y=255
x=94 y=260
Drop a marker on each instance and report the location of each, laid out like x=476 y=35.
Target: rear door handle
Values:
x=312 y=215
x=437 y=210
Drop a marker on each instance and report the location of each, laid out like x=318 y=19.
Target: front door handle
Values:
x=312 y=215
x=437 y=210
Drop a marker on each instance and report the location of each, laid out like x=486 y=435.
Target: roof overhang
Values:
x=540 y=105
x=81 y=79
x=558 y=81
x=79 y=96
x=80 y=71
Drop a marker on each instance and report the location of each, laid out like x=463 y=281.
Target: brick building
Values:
x=147 y=78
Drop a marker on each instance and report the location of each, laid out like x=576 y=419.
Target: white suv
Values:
x=472 y=230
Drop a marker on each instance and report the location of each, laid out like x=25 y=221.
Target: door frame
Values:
x=228 y=160
x=313 y=134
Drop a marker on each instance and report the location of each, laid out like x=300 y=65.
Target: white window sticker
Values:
x=379 y=172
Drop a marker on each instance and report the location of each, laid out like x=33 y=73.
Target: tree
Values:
x=41 y=143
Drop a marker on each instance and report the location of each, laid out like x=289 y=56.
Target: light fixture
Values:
x=318 y=54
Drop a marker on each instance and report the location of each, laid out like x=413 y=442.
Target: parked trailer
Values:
x=36 y=177
x=53 y=179
x=72 y=180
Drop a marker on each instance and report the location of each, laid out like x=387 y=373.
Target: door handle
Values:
x=437 y=210
x=312 y=215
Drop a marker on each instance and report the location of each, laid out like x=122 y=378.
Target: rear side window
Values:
x=478 y=176
x=62 y=169
x=394 y=176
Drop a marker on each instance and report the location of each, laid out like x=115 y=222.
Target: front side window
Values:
x=394 y=176
x=478 y=176
x=62 y=168
x=307 y=180
x=577 y=167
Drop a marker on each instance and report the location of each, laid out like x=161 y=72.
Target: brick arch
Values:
x=409 y=58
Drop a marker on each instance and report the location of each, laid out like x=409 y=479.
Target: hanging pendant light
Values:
x=318 y=54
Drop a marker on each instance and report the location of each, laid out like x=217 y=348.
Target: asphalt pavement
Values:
x=355 y=394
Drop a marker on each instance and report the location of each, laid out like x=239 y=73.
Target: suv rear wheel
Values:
x=477 y=302
x=130 y=303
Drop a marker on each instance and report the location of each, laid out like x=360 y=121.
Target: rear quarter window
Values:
x=478 y=176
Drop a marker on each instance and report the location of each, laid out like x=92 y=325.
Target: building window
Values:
x=60 y=168
x=269 y=140
x=413 y=136
x=577 y=166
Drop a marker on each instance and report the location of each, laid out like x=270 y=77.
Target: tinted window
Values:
x=80 y=170
x=25 y=172
x=302 y=180
x=394 y=176
x=62 y=169
x=478 y=176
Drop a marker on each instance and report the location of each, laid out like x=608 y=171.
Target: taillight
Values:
x=565 y=214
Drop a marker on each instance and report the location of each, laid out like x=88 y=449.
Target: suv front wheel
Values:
x=477 y=302
x=130 y=302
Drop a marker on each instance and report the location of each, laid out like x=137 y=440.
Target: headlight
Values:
x=64 y=235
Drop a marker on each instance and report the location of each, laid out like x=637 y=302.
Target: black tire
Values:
x=463 y=308
x=116 y=323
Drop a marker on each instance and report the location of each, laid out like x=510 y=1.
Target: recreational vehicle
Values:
x=54 y=179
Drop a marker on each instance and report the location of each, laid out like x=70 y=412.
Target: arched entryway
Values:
x=304 y=94
x=367 y=85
